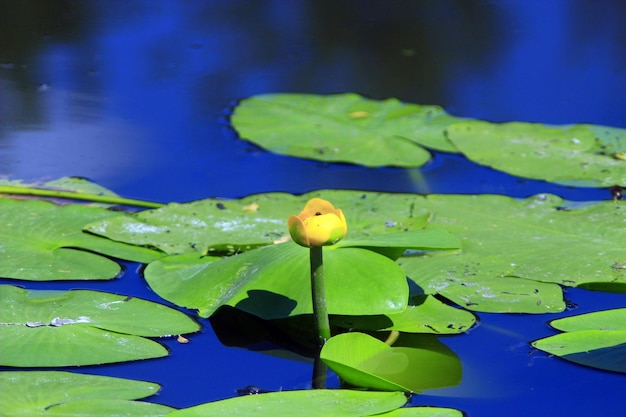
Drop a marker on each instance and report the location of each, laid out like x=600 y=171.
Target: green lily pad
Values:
x=49 y=393
x=317 y=403
x=425 y=314
x=81 y=327
x=212 y=225
x=602 y=349
x=41 y=241
x=595 y=339
x=274 y=281
x=76 y=184
x=344 y=128
x=424 y=412
x=364 y=361
x=508 y=241
x=574 y=154
x=614 y=319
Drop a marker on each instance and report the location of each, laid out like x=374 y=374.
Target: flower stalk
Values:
x=320 y=311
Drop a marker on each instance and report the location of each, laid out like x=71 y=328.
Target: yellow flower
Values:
x=319 y=224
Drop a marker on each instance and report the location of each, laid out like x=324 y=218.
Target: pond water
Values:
x=135 y=95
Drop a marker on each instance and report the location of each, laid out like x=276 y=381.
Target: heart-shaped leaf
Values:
x=274 y=282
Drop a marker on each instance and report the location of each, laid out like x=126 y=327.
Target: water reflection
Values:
x=129 y=94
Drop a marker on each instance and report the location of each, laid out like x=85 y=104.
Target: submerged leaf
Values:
x=572 y=154
x=49 y=393
x=344 y=128
x=81 y=327
x=41 y=241
x=314 y=403
x=364 y=361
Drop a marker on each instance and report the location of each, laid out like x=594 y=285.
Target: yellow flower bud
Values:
x=319 y=224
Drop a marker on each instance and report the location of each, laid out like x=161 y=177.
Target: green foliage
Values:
x=69 y=188
x=364 y=361
x=586 y=155
x=48 y=393
x=273 y=282
x=81 y=327
x=509 y=243
x=313 y=403
x=424 y=314
x=41 y=241
x=595 y=339
x=344 y=128
x=214 y=226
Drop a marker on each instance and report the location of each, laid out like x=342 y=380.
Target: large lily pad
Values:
x=235 y=225
x=574 y=154
x=364 y=361
x=41 y=241
x=81 y=327
x=274 y=282
x=595 y=339
x=344 y=128
x=542 y=238
x=48 y=393
x=316 y=403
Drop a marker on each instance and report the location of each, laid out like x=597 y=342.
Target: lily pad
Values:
x=595 y=339
x=508 y=241
x=75 y=184
x=274 y=281
x=41 y=241
x=214 y=225
x=317 y=403
x=425 y=314
x=573 y=154
x=424 y=412
x=344 y=128
x=49 y=393
x=364 y=361
x=81 y=327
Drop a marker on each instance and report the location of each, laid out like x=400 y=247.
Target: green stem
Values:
x=320 y=312
x=73 y=195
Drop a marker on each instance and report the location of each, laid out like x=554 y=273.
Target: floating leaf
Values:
x=614 y=319
x=81 y=327
x=314 y=403
x=425 y=314
x=603 y=349
x=344 y=128
x=542 y=238
x=48 y=393
x=574 y=154
x=595 y=339
x=227 y=226
x=424 y=412
x=364 y=361
x=274 y=282
x=41 y=241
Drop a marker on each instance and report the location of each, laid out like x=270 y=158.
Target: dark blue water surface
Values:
x=135 y=95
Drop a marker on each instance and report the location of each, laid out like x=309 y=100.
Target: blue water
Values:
x=136 y=96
